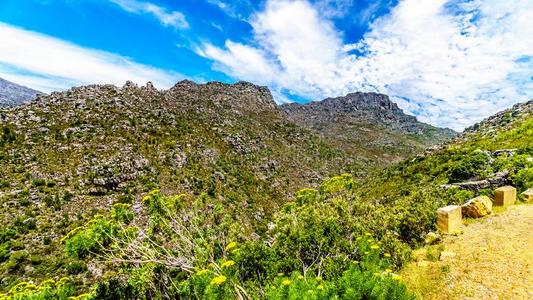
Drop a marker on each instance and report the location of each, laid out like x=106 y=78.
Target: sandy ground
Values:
x=492 y=259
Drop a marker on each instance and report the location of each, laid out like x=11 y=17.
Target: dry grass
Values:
x=493 y=259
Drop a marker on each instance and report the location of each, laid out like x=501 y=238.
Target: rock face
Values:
x=367 y=122
x=12 y=94
x=477 y=207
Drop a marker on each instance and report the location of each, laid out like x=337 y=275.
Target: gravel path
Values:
x=492 y=259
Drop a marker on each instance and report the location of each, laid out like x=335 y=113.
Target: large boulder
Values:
x=477 y=207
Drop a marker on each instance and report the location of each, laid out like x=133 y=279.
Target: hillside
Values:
x=196 y=192
x=368 y=125
x=67 y=156
x=12 y=94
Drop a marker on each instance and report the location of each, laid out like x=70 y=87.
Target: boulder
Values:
x=477 y=207
x=504 y=196
x=528 y=195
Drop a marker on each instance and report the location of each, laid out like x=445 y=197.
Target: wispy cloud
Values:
x=173 y=18
x=449 y=62
x=47 y=64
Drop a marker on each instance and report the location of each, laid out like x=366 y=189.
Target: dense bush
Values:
x=94 y=237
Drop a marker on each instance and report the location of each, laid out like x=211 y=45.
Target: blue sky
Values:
x=450 y=63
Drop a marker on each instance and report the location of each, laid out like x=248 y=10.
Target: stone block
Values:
x=504 y=196
x=477 y=207
x=528 y=195
x=449 y=218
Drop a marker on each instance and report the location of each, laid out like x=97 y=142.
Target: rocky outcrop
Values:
x=496 y=180
x=477 y=207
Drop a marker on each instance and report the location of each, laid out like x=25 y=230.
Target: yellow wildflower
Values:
x=231 y=246
x=386 y=254
x=48 y=282
x=218 y=280
x=201 y=272
x=388 y=270
x=227 y=264
x=396 y=277
x=146 y=199
x=286 y=282
x=374 y=247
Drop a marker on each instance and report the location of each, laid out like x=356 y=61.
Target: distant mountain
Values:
x=368 y=125
x=12 y=94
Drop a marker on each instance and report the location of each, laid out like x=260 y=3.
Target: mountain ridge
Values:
x=12 y=94
x=370 y=122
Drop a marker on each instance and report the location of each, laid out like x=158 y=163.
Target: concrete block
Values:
x=504 y=196
x=449 y=218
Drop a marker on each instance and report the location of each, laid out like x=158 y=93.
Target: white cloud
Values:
x=51 y=64
x=457 y=62
x=174 y=18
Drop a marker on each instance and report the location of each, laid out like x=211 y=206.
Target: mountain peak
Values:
x=241 y=96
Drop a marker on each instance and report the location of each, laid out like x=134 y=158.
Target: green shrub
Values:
x=94 y=237
x=354 y=283
x=122 y=213
x=38 y=182
x=4 y=183
x=76 y=267
x=524 y=178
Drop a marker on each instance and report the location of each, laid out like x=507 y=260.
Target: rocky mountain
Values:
x=12 y=94
x=368 y=125
x=70 y=155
